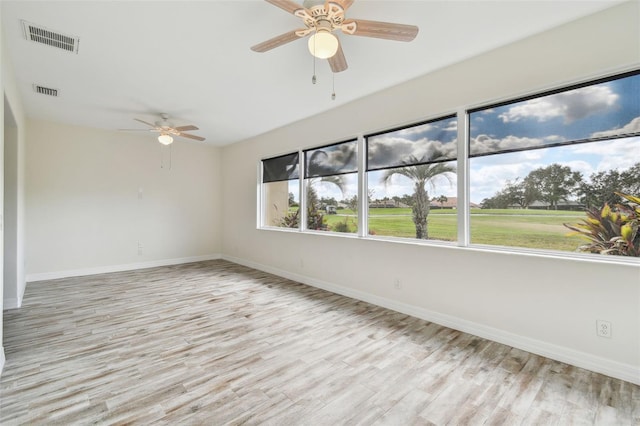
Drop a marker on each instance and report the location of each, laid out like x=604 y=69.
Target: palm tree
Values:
x=420 y=175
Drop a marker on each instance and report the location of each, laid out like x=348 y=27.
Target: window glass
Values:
x=544 y=169
x=411 y=175
x=280 y=191
x=331 y=187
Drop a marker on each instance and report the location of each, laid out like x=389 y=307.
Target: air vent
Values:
x=49 y=37
x=45 y=90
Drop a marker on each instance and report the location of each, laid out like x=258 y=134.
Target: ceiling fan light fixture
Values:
x=165 y=139
x=323 y=44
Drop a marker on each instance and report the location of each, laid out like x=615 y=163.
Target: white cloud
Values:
x=452 y=126
x=631 y=127
x=489 y=174
x=387 y=151
x=409 y=131
x=581 y=166
x=615 y=154
x=484 y=144
x=623 y=146
x=571 y=105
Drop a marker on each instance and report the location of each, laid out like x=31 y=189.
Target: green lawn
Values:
x=516 y=228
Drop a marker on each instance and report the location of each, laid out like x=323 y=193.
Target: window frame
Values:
x=304 y=186
x=262 y=199
x=365 y=137
x=462 y=116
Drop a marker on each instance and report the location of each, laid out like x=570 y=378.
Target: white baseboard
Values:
x=12 y=303
x=2 y=359
x=118 y=268
x=580 y=359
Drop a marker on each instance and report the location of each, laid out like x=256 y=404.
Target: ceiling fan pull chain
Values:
x=314 y=79
x=333 y=86
x=161 y=156
x=170 y=151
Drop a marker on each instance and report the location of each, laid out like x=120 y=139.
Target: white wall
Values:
x=13 y=128
x=548 y=305
x=84 y=210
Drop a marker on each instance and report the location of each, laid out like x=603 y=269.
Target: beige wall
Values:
x=12 y=211
x=545 y=304
x=94 y=195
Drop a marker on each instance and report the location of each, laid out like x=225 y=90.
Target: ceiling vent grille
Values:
x=39 y=34
x=45 y=90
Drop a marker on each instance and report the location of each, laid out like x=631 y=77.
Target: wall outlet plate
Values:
x=603 y=328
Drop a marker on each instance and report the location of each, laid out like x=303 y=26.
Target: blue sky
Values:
x=603 y=110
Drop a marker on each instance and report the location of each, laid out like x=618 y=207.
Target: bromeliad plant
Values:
x=611 y=230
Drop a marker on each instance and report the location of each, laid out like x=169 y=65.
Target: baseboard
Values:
x=12 y=303
x=615 y=369
x=118 y=268
x=2 y=359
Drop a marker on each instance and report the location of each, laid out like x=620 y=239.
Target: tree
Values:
x=292 y=200
x=407 y=199
x=554 y=183
x=522 y=193
x=602 y=186
x=498 y=201
x=315 y=216
x=420 y=175
x=515 y=193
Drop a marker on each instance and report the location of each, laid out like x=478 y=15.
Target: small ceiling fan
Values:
x=168 y=130
x=322 y=19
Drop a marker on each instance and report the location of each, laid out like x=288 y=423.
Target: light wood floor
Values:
x=217 y=343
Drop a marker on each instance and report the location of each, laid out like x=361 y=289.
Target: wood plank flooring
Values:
x=217 y=343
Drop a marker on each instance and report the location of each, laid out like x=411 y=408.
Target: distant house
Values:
x=451 y=203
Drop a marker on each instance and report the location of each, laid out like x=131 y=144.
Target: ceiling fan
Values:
x=322 y=19
x=168 y=130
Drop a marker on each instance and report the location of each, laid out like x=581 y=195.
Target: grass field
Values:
x=516 y=228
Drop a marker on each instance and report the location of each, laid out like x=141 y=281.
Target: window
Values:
x=556 y=171
x=331 y=187
x=411 y=176
x=280 y=191
x=538 y=163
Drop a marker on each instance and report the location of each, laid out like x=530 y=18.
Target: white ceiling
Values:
x=191 y=59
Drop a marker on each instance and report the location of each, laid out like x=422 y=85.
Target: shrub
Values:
x=291 y=220
x=611 y=230
x=340 y=227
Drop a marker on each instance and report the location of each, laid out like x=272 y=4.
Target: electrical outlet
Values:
x=139 y=248
x=397 y=284
x=603 y=328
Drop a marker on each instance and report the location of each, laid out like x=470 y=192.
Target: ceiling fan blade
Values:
x=377 y=29
x=338 y=62
x=185 y=128
x=345 y=4
x=276 y=42
x=286 y=5
x=187 y=135
x=144 y=122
